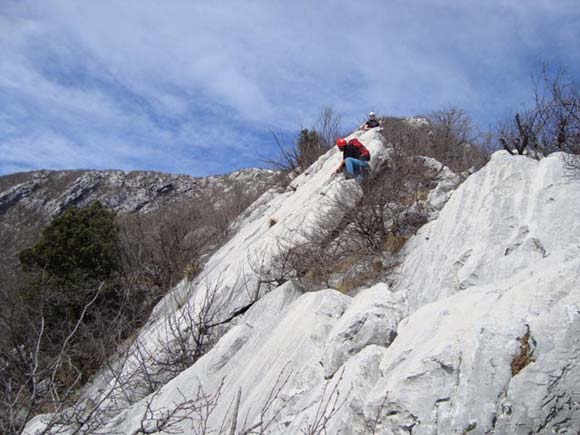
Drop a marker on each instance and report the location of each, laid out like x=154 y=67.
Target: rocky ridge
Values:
x=477 y=333
x=51 y=192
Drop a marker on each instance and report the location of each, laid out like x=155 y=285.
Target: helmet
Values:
x=372 y=115
x=341 y=142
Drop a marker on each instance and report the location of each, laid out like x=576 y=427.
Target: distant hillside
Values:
x=51 y=192
x=28 y=200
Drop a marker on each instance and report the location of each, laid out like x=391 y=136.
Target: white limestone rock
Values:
x=506 y=218
x=450 y=367
x=276 y=346
x=447 y=181
x=371 y=318
x=233 y=272
x=15 y=193
x=501 y=260
x=337 y=406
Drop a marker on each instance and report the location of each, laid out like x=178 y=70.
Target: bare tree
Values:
x=196 y=411
x=310 y=144
x=455 y=140
x=329 y=127
x=448 y=136
x=551 y=124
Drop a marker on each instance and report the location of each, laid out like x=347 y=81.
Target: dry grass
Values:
x=524 y=357
x=191 y=271
x=349 y=283
x=394 y=244
x=422 y=195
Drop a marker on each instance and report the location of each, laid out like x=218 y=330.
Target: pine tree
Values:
x=309 y=147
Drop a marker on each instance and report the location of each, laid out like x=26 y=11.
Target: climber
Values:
x=355 y=158
x=371 y=122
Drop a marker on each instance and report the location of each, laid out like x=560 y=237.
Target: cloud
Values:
x=196 y=86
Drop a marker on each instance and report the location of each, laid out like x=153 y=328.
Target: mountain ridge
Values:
x=474 y=331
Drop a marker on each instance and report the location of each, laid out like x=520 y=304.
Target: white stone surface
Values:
x=447 y=181
x=502 y=258
x=505 y=219
x=450 y=366
x=371 y=318
x=233 y=271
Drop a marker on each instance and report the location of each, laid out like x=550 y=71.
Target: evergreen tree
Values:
x=76 y=257
x=80 y=245
x=309 y=146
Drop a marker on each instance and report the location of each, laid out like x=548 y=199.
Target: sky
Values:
x=199 y=86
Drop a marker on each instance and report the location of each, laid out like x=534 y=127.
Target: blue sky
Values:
x=197 y=86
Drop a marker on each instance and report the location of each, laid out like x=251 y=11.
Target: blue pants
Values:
x=356 y=168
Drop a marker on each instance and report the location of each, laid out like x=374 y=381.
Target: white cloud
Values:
x=176 y=75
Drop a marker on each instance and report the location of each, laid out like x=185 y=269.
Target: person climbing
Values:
x=371 y=122
x=355 y=158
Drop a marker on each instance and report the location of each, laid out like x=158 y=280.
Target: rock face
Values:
x=371 y=318
x=51 y=192
x=479 y=333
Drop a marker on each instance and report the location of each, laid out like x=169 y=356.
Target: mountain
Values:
x=48 y=193
x=29 y=200
x=471 y=328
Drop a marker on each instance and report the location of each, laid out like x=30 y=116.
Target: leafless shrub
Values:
x=328 y=406
x=287 y=160
x=309 y=145
x=329 y=127
x=448 y=136
x=373 y=423
x=196 y=411
x=221 y=206
x=566 y=129
x=271 y=410
x=551 y=124
x=414 y=139
x=273 y=271
x=32 y=378
x=157 y=248
x=183 y=338
x=392 y=204
x=137 y=370
x=357 y=240
x=310 y=261
x=456 y=141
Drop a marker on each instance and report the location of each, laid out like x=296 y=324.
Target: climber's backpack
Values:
x=363 y=152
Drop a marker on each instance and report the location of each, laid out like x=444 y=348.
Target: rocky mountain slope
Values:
x=476 y=331
x=50 y=192
x=29 y=200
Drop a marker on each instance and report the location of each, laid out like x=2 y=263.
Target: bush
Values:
x=77 y=252
x=551 y=124
x=80 y=244
x=448 y=136
x=310 y=144
x=61 y=325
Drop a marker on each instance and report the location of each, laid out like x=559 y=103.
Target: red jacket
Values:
x=364 y=153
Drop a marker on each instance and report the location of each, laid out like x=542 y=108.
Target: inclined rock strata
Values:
x=479 y=334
